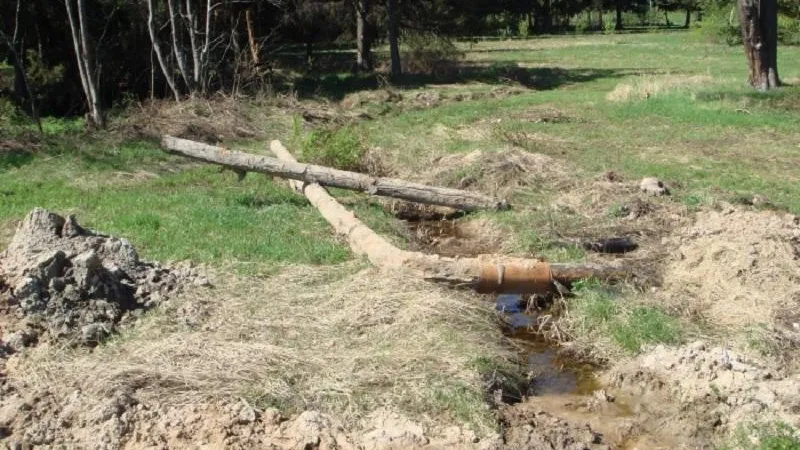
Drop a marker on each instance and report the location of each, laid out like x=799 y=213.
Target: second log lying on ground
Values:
x=486 y=273
x=309 y=173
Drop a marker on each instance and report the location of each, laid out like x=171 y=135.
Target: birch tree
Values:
x=84 y=55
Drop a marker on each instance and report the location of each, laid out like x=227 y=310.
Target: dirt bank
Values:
x=735 y=268
x=61 y=282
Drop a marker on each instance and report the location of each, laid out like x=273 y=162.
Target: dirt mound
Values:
x=59 y=281
x=529 y=428
x=734 y=267
x=120 y=421
x=697 y=394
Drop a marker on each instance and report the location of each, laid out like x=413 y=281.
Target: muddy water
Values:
x=570 y=389
x=550 y=373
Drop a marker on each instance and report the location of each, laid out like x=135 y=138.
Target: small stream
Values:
x=549 y=372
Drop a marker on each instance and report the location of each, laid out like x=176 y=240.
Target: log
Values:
x=485 y=273
x=309 y=173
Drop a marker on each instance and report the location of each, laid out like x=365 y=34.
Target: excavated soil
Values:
x=691 y=397
x=119 y=421
x=697 y=394
x=62 y=283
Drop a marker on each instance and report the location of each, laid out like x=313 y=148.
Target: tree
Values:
x=310 y=21
x=394 y=36
x=674 y=5
x=162 y=63
x=87 y=65
x=759 y=22
x=365 y=34
x=16 y=53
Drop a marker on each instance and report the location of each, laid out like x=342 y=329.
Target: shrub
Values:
x=341 y=148
x=582 y=24
x=720 y=25
x=524 y=27
x=428 y=53
x=788 y=30
x=609 y=25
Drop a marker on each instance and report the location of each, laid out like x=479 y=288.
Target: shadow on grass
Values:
x=786 y=98
x=337 y=86
x=13 y=159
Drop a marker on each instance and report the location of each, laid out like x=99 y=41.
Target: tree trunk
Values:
x=309 y=52
x=388 y=187
x=177 y=49
x=197 y=71
x=91 y=67
x=544 y=18
x=85 y=59
x=666 y=19
x=151 y=28
x=600 y=19
x=688 y=20
x=394 y=36
x=485 y=273
x=619 y=25
x=759 y=20
x=251 y=37
x=364 y=55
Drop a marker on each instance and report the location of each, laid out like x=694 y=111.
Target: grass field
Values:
x=651 y=104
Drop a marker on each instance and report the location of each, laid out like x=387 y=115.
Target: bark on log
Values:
x=485 y=273
x=308 y=173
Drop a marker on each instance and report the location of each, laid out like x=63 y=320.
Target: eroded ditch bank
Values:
x=688 y=396
x=694 y=395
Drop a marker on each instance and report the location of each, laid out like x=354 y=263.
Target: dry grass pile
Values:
x=208 y=120
x=337 y=340
x=736 y=268
x=647 y=86
x=495 y=173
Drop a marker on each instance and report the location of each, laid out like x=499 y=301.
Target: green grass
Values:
x=598 y=311
x=643 y=326
x=717 y=138
x=168 y=209
x=764 y=436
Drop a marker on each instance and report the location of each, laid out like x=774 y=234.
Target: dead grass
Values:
x=497 y=173
x=214 y=120
x=342 y=340
x=648 y=86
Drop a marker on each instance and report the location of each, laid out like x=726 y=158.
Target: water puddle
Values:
x=549 y=371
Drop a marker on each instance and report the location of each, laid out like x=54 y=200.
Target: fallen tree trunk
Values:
x=309 y=173
x=485 y=273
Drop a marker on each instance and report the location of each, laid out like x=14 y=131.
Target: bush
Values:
x=609 y=25
x=788 y=30
x=428 y=53
x=341 y=148
x=582 y=24
x=720 y=25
